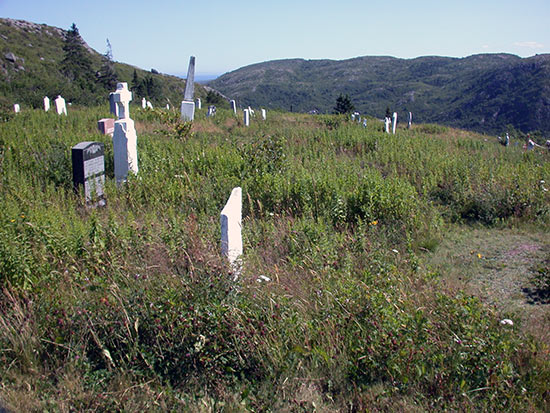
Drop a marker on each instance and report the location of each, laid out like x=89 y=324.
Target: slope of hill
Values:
x=482 y=92
x=30 y=68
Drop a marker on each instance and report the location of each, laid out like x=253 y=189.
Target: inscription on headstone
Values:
x=89 y=170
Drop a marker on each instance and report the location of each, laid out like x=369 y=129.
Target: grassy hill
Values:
x=364 y=237
x=482 y=92
x=31 y=68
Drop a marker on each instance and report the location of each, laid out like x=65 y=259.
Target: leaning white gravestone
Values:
x=246 y=117
x=394 y=121
x=125 y=136
x=188 y=104
x=16 y=108
x=387 y=122
x=231 y=224
x=233 y=106
x=60 y=106
x=46 y=103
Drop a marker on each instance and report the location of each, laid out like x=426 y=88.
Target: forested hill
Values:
x=37 y=60
x=485 y=92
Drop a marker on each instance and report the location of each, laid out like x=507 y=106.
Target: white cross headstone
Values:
x=60 y=106
x=143 y=103
x=198 y=104
x=246 y=117
x=387 y=122
x=16 y=108
x=410 y=120
x=46 y=103
x=394 y=121
x=125 y=136
x=264 y=114
x=233 y=106
x=231 y=224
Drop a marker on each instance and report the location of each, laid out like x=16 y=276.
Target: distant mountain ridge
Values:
x=484 y=92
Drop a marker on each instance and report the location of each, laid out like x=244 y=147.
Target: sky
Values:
x=226 y=35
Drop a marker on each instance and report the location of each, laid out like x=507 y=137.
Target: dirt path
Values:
x=498 y=266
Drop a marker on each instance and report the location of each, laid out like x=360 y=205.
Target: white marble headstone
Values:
x=233 y=106
x=410 y=120
x=387 y=122
x=125 y=136
x=16 y=108
x=198 y=104
x=231 y=224
x=60 y=106
x=246 y=117
x=187 y=110
x=46 y=103
x=149 y=105
x=143 y=103
x=264 y=114
x=394 y=121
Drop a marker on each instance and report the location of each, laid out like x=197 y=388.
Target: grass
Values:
x=132 y=307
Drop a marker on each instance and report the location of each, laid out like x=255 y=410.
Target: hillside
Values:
x=350 y=298
x=481 y=92
x=30 y=68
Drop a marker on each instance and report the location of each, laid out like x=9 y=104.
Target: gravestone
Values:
x=124 y=137
x=60 y=106
x=394 y=121
x=106 y=126
x=46 y=103
x=188 y=104
x=167 y=106
x=233 y=105
x=264 y=114
x=143 y=103
x=16 y=108
x=112 y=105
x=246 y=117
x=410 y=120
x=231 y=223
x=387 y=122
x=365 y=122
x=211 y=111
x=251 y=112
x=198 y=104
x=149 y=105
x=353 y=117
x=89 y=170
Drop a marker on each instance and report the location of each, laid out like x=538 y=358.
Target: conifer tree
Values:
x=107 y=75
x=343 y=105
x=76 y=63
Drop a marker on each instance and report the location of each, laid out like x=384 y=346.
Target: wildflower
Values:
x=13 y=220
x=479 y=256
x=374 y=223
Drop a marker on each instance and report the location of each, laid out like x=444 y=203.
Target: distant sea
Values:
x=200 y=78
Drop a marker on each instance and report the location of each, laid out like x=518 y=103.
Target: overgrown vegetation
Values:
x=131 y=307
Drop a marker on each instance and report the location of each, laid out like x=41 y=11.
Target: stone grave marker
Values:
x=89 y=170
x=125 y=136
x=211 y=111
x=106 y=126
x=46 y=103
x=387 y=122
x=410 y=120
x=60 y=106
x=231 y=224
x=188 y=104
x=143 y=103
x=353 y=117
x=112 y=105
x=394 y=121
x=246 y=117
x=251 y=112
x=365 y=122
x=16 y=108
x=167 y=106
x=264 y=114
x=149 y=105
x=198 y=104
x=233 y=105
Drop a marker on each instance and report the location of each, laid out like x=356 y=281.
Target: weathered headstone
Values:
x=124 y=137
x=246 y=117
x=188 y=104
x=143 y=103
x=231 y=223
x=410 y=120
x=387 y=122
x=251 y=112
x=112 y=105
x=353 y=117
x=106 y=126
x=264 y=114
x=198 y=104
x=233 y=105
x=16 y=108
x=89 y=170
x=167 y=106
x=60 y=106
x=211 y=111
x=365 y=122
x=46 y=103
x=149 y=105
x=394 y=121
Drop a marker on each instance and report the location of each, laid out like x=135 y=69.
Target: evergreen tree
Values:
x=388 y=112
x=107 y=75
x=135 y=81
x=76 y=63
x=213 y=98
x=343 y=105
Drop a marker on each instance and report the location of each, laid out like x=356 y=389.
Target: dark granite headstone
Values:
x=89 y=169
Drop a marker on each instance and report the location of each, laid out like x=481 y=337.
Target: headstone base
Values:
x=187 y=110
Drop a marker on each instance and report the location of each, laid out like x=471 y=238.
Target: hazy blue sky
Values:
x=226 y=35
